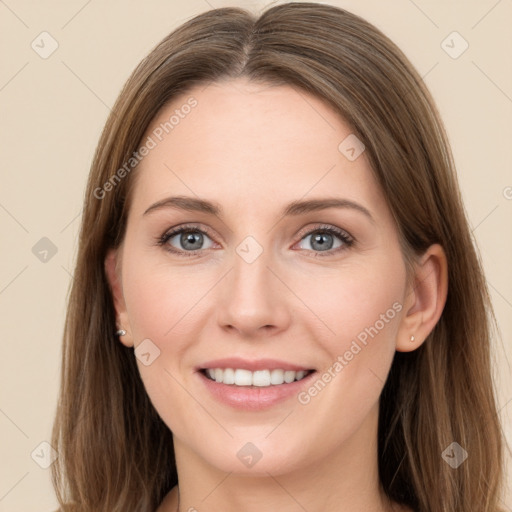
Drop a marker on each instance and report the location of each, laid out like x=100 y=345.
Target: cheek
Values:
x=158 y=297
x=357 y=299
x=165 y=305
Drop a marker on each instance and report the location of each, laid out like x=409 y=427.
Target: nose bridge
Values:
x=250 y=273
x=253 y=297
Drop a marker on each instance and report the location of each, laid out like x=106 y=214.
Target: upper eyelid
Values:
x=186 y=227
x=325 y=227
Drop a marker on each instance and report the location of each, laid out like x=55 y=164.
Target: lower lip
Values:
x=254 y=398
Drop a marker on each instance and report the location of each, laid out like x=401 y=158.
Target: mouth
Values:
x=253 y=384
x=241 y=377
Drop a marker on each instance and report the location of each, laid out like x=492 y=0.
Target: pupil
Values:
x=320 y=239
x=190 y=238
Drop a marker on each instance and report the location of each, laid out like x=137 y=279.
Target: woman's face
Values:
x=261 y=283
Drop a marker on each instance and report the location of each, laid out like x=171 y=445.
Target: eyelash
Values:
x=347 y=240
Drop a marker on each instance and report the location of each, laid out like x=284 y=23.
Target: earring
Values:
x=121 y=332
x=412 y=338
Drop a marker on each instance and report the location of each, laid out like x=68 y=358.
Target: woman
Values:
x=277 y=304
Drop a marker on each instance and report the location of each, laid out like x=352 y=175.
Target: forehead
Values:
x=244 y=142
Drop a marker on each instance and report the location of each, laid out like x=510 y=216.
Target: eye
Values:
x=323 y=240
x=189 y=239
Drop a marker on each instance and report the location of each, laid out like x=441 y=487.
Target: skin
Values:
x=254 y=149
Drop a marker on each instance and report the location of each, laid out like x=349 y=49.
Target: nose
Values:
x=254 y=300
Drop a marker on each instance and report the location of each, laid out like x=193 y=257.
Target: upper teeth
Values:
x=240 y=377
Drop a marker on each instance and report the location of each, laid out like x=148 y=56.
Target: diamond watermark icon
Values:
x=44 y=45
x=146 y=352
x=249 y=454
x=351 y=147
x=44 y=250
x=454 y=455
x=454 y=45
x=44 y=455
x=249 y=249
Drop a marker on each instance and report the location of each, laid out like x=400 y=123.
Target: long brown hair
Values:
x=115 y=453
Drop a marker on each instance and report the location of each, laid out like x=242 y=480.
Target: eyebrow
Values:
x=295 y=208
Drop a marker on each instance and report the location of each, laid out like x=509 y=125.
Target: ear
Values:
x=425 y=299
x=113 y=273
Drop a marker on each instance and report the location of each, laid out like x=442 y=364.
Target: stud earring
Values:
x=120 y=332
x=412 y=338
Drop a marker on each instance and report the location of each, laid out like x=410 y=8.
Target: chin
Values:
x=255 y=458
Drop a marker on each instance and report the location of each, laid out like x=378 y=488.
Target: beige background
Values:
x=53 y=110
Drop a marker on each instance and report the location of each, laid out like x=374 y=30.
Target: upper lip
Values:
x=254 y=365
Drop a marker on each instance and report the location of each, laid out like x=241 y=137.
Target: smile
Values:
x=253 y=384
